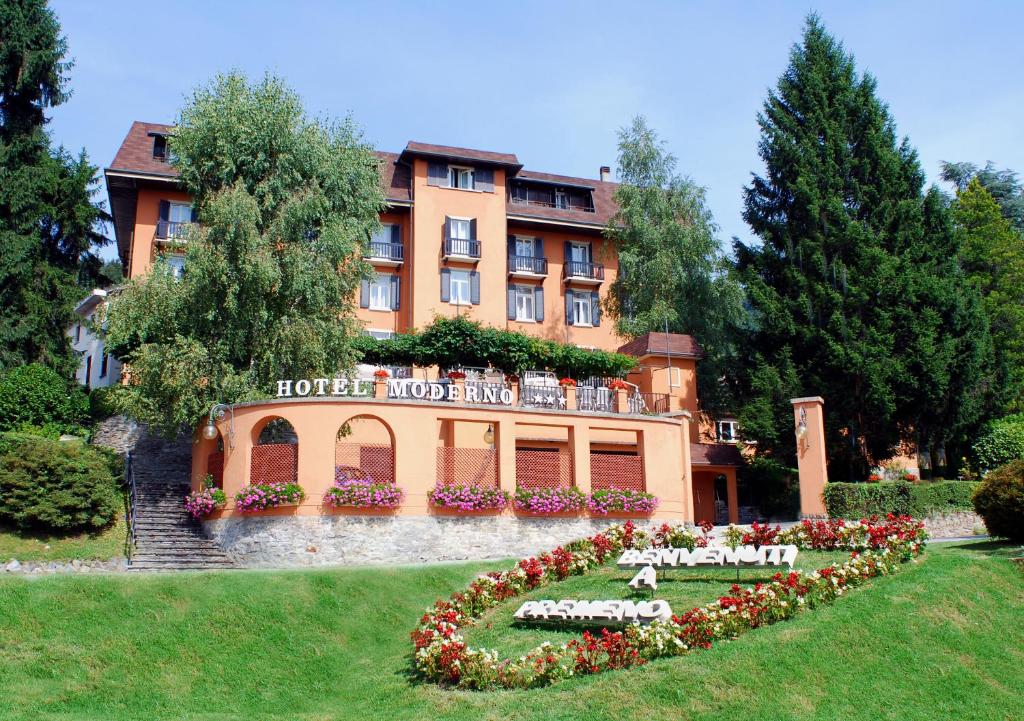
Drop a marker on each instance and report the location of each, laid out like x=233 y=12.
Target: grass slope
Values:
x=941 y=639
x=101 y=545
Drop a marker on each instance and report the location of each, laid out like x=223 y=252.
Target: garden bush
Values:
x=999 y=500
x=771 y=486
x=941 y=497
x=861 y=500
x=1002 y=441
x=36 y=396
x=47 y=484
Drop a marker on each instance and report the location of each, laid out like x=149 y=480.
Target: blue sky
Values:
x=553 y=82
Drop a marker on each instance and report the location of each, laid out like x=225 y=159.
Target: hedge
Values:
x=1000 y=501
x=36 y=397
x=860 y=500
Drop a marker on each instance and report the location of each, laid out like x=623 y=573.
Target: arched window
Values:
x=275 y=457
x=364 y=449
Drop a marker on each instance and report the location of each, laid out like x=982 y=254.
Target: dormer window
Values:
x=561 y=200
x=160 y=147
x=460 y=177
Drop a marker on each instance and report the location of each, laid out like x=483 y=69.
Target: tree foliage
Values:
x=855 y=287
x=286 y=207
x=992 y=255
x=673 y=274
x=1003 y=185
x=49 y=225
x=459 y=342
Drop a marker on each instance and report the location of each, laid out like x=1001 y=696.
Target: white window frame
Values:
x=459 y=279
x=380 y=333
x=734 y=428
x=525 y=300
x=584 y=249
x=176 y=264
x=184 y=209
x=458 y=173
x=382 y=234
x=466 y=223
x=527 y=243
x=380 y=292
x=580 y=301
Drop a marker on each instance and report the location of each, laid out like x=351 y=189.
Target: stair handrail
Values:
x=129 y=474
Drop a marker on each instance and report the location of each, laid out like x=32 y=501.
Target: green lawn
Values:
x=102 y=545
x=944 y=638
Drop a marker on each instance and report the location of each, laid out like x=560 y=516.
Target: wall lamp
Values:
x=801 y=428
x=218 y=412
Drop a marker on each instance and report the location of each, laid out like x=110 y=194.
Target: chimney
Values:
x=606 y=174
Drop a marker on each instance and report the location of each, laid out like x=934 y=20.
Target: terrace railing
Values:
x=580 y=269
x=462 y=246
x=171 y=230
x=528 y=264
x=129 y=477
x=649 y=403
x=542 y=397
x=386 y=251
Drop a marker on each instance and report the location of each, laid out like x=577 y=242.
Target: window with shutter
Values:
x=524 y=304
x=460 y=177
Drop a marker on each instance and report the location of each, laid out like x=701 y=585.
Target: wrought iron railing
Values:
x=558 y=205
x=648 y=403
x=528 y=264
x=129 y=477
x=171 y=230
x=595 y=399
x=481 y=393
x=579 y=269
x=542 y=397
x=462 y=246
x=386 y=251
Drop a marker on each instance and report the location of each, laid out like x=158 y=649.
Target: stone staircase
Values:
x=167 y=538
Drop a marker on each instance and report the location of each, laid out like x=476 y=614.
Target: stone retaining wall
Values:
x=117 y=432
x=954 y=524
x=357 y=539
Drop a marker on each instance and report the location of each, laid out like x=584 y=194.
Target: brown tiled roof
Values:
x=136 y=155
x=395 y=177
x=603 y=193
x=448 y=151
x=715 y=454
x=136 y=152
x=663 y=343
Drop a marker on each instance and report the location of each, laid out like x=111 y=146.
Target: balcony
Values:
x=386 y=254
x=581 y=272
x=461 y=249
x=169 y=231
x=527 y=266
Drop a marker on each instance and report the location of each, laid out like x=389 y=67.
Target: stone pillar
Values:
x=732 y=495
x=380 y=388
x=621 y=401
x=514 y=387
x=810 y=455
x=689 y=515
x=579 y=446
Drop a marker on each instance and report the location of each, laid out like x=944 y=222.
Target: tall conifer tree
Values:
x=48 y=222
x=853 y=278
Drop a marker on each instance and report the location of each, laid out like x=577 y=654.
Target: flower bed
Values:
x=362 y=493
x=621 y=500
x=442 y=656
x=468 y=498
x=550 y=500
x=205 y=501
x=268 y=495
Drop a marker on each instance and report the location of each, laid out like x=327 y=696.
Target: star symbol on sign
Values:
x=550 y=400
x=561 y=401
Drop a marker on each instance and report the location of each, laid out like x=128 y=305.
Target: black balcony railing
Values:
x=171 y=230
x=528 y=264
x=579 y=269
x=462 y=246
x=386 y=251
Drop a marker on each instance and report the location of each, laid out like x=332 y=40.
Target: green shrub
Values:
x=999 y=500
x=860 y=500
x=35 y=395
x=1002 y=441
x=54 y=485
x=102 y=403
x=941 y=497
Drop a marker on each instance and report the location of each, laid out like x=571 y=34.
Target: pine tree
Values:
x=991 y=251
x=48 y=222
x=847 y=286
x=672 y=272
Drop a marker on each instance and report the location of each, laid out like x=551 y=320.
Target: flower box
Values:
x=205 y=501
x=263 y=496
x=466 y=498
x=364 y=493
x=550 y=501
x=567 y=383
x=621 y=501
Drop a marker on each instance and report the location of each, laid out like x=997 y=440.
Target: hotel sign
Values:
x=661 y=558
x=398 y=388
